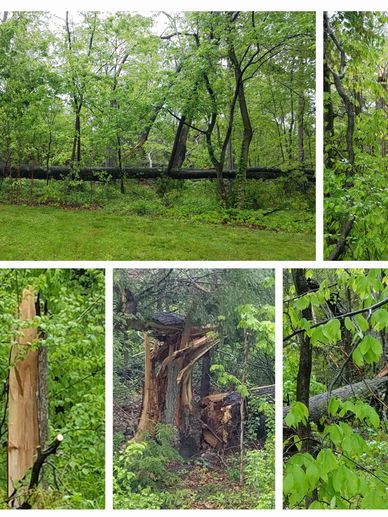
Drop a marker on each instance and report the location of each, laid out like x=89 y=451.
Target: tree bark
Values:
x=23 y=422
x=318 y=403
x=301 y=106
x=205 y=375
x=305 y=359
x=178 y=153
x=241 y=174
x=93 y=173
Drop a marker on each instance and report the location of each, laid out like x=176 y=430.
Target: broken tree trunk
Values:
x=167 y=395
x=23 y=426
x=318 y=403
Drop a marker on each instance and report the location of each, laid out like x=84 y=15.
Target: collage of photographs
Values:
x=194 y=257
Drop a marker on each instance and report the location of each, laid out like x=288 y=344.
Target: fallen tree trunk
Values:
x=260 y=391
x=318 y=403
x=104 y=173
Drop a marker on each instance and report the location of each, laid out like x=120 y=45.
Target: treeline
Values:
x=222 y=90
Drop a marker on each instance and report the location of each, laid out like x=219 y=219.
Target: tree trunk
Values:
x=241 y=175
x=381 y=104
x=205 y=375
x=167 y=395
x=301 y=105
x=305 y=359
x=365 y=388
x=23 y=420
x=178 y=153
x=93 y=173
x=76 y=153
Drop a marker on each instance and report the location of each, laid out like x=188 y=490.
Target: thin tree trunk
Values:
x=241 y=175
x=305 y=360
x=205 y=375
x=301 y=106
x=242 y=406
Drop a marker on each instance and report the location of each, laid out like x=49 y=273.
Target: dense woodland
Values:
x=356 y=129
x=335 y=388
x=89 y=100
x=193 y=388
x=52 y=400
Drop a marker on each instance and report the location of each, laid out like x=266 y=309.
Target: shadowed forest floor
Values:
x=66 y=234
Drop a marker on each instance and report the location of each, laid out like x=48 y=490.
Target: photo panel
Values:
x=355 y=135
x=158 y=129
x=194 y=389
x=335 y=388
x=52 y=401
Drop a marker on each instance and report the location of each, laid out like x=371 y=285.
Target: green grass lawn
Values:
x=47 y=233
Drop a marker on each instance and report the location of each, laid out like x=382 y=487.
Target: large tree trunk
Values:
x=365 y=388
x=23 y=421
x=93 y=173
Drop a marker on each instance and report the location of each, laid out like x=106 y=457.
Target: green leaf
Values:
x=361 y=322
x=333 y=406
x=326 y=461
x=379 y=319
x=349 y=324
x=332 y=330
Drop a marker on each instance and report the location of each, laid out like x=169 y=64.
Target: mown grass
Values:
x=48 y=233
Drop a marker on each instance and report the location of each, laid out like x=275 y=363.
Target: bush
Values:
x=141 y=471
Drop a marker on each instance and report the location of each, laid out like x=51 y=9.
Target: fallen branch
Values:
x=339 y=317
x=42 y=456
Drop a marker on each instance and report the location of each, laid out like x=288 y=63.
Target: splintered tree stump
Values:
x=23 y=427
x=167 y=394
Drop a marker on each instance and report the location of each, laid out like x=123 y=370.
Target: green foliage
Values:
x=260 y=419
x=259 y=473
x=141 y=474
x=356 y=191
x=339 y=476
x=341 y=466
